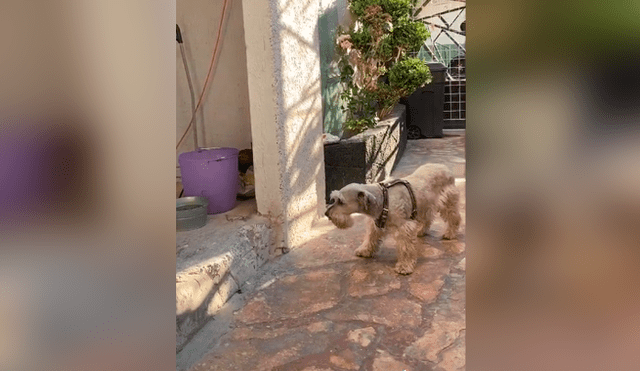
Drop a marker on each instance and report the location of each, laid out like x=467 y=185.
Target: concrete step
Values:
x=213 y=262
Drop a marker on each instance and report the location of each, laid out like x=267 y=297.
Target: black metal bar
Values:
x=456 y=18
x=445 y=22
x=435 y=54
x=420 y=8
x=433 y=40
x=178 y=34
x=447 y=29
x=455 y=42
x=429 y=52
x=441 y=13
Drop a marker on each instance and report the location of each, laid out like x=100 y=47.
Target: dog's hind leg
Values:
x=371 y=241
x=407 y=246
x=424 y=218
x=448 y=209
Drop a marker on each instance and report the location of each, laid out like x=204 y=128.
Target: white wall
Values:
x=224 y=120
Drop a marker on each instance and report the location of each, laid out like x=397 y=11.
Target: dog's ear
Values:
x=336 y=197
x=364 y=199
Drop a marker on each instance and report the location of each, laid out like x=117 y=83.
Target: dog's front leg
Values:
x=371 y=241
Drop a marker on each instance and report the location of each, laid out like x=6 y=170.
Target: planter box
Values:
x=368 y=157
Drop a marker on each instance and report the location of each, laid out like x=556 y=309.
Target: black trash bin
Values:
x=424 y=107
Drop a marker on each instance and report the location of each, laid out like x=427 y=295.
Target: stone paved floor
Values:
x=321 y=308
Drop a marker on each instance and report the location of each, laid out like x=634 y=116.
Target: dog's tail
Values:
x=449 y=198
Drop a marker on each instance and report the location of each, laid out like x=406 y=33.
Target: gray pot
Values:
x=191 y=213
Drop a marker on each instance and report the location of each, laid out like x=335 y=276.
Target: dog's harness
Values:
x=382 y=219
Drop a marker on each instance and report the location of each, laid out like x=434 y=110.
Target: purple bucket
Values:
x=211 y=173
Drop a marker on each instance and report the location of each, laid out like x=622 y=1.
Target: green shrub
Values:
x=362 y=38
x=408 y=75
x=374 y=68
x=409 y=35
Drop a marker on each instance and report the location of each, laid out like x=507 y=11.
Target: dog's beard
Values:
x=341 y=221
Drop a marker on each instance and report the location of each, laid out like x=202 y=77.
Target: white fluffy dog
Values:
x=403 y=208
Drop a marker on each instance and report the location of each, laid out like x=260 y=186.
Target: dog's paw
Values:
x=424 y=231
x=450 y=236
x=404 y=268
x=364 y=252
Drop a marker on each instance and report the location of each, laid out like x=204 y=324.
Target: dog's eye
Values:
x=339 y=202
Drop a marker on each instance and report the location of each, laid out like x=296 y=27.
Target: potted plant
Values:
x=376 y=69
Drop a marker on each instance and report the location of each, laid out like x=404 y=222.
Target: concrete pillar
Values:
x=283 y=68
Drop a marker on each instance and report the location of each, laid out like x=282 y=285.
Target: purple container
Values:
x=211 y=173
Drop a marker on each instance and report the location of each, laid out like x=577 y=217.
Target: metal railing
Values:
x=447 y=46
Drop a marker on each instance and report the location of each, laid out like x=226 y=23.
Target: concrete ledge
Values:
x=212 y=264
x=368 y=157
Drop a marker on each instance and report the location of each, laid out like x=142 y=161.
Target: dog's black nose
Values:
x=326 y=213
